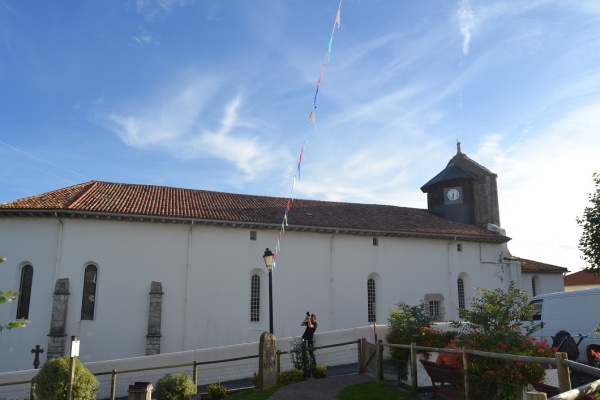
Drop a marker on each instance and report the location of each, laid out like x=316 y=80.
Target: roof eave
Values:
x=61 y=213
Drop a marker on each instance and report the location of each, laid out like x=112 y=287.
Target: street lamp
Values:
x=268 y=256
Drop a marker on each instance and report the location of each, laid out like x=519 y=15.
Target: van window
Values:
x=537 y=309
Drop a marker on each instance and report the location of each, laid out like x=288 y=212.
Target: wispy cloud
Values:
x=184 y=123
x=143 y=38
x=151 y=9
x=465 y=22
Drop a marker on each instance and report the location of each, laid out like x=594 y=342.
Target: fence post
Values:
x=195 y=373
x=362 y=356
x=278 y=361
x=465 y=374
x=380 y=361
x=413 y=368
x=113 y=384
x=564 y=380
x=536 y=396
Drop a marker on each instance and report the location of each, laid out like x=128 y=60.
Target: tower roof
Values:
x=449 y=173
x=460 y=159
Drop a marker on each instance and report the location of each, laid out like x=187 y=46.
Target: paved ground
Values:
x=320 y=389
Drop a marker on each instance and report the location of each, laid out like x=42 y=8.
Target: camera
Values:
x=308 y=314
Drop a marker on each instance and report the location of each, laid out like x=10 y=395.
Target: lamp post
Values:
x=268 y=256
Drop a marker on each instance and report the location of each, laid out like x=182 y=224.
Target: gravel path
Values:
x=320 y=389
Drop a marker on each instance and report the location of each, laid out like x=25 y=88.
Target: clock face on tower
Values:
x=453 y=194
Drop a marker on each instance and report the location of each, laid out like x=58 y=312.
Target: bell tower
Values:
x=464 y=192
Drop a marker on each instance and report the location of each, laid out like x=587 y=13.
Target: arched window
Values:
x=25 y=292
x=461 y=296
x=371 y=300
x=533 y=289
x=88 y=301
x=255 y=298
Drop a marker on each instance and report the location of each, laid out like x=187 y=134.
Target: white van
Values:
x=577 y=312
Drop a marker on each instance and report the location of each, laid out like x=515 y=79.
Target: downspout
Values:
x=57 y=260
x=187 y=284
x=332 y=283
x=450 y=285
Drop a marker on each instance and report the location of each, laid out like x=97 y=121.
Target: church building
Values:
x=135 y=270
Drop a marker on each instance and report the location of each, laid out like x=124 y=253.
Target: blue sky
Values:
x=217 y=95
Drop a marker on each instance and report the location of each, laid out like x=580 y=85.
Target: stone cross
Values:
x=36 y=360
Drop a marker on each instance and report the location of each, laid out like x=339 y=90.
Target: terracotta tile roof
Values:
x=581 y=278
x=118 y=200
x=536 y=266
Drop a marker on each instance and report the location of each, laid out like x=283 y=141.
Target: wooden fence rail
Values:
x=560 y=361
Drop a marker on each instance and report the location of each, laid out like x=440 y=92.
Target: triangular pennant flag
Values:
x=312 y=117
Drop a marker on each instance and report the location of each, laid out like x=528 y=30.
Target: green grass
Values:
x=362 y=391
x=374 y=390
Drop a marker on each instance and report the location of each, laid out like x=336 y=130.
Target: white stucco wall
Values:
x=544 y=283
x=205 y=273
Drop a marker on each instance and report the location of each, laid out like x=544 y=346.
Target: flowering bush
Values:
x=495 y=325
x=596 y=355
x=493 y=378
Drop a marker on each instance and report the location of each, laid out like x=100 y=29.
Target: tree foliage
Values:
x=589 y=243
x=52 y=382
x=499 y=312
x=6 y=297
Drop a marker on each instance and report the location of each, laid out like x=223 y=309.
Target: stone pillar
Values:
x=58 y=323
x=267 y=360
x=154 y=319
x=140 y=391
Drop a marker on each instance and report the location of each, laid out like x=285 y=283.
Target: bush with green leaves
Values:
x=319 y=371
x=407 y=325
x=217 y=391
x=178 y=387
x=299 y=354
x=291 y=375
x=52 y=381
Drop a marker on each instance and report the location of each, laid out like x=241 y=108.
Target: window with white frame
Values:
x=88 y=300
x=461 y=295
x=435 y=301
x=255 y=298
x=25 y=292
x=434 y=309
x=372 y=316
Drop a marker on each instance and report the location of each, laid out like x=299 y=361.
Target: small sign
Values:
x=75 y=348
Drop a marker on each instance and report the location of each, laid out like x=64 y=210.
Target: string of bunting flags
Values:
x=311 y=121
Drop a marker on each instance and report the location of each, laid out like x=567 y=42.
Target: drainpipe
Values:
x=58 y=247
x=187 y=283
x=332 y=282
x=450 y=282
